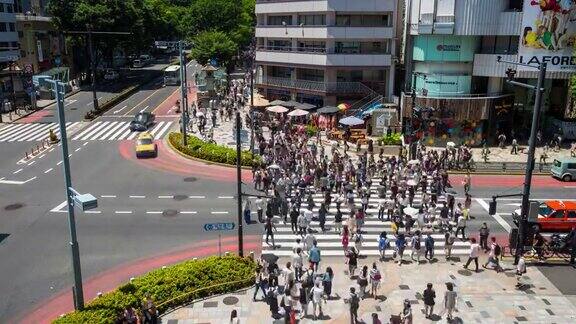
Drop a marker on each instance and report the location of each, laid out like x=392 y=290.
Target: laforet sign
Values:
x=548 y=34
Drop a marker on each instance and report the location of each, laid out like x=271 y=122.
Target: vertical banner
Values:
x=549 y=34
x=40 y=54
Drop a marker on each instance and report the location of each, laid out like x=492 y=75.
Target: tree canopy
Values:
x=214 y=45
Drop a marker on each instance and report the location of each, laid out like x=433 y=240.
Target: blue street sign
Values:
x=219 y=227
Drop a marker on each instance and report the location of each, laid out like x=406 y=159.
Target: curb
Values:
x=69 y=94
x=167 y=140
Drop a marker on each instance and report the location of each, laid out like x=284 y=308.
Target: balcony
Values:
x=340 y=88
x=321 y=57
x=324 y=32
x=297 y=6
x=22 y=17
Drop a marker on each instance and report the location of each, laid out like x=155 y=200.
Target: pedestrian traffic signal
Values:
x=492 y=207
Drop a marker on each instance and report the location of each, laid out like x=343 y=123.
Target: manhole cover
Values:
x=466 y=273
x=169 y=213
x=180 y=197
x=190 y=179
x=13 y=206
x=230 y=300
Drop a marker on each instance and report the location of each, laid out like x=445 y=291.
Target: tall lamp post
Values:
x=73 y=198
x=183 y=92
x=539 y=89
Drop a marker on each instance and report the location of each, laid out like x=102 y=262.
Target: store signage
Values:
x=448 y=48
x=548 y=33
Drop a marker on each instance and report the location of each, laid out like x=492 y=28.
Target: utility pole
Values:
x=251 y=102
x=90 y=32
x=539 y=88
x=239 y=184
x=183 y=93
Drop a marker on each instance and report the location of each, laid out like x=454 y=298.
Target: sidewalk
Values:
x=484 y=297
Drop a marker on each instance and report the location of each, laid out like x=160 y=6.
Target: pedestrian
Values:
x=247 y=212
x=345 y=238
x=272 y=300
x=288 y=274
x=294 y=219
x=383 y=244
x=302 y=223
x=406 y=314
x=314 y=256
x=514 y=146
x=354 y=302
x=474 y=254
x=494 y=256
x=318 y=297
x=269 y=228
x=130 y=316
x=363 y=281
x=303 y=297
x=429 y=295
x=571 y=242
x=259 y=202
x=467 y=182
x=352 y=260
x=381 y=209
x=461 y=227
x=520 y=271
x=234 y=317
x=309 y=240
x=298 y=263
x=260 y=282
x=450 y=300
x=149 y=311
x=448 y=243
x=416 y=244
x=322 y=216
x=338 y=220
x=375 y=319
x=429 y=246
x=375 y=278
x=327 y=279
x=484 y=233
x=400 y=246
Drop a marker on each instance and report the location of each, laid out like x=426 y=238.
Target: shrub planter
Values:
x=169 y=287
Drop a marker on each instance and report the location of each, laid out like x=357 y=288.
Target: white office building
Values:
x=451 y=54
x=326 y=52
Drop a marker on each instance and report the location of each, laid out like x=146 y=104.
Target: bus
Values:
x=172 y=75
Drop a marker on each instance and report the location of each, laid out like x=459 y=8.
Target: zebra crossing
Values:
x=330 y=244
x=96 y=131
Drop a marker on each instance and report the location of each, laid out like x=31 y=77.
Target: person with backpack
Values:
x=358 y=240
x=362 y=281
x=448 y=243
x=272 y=300
x=429 y=247
x=375 y=278
x=354 y=302
x=352 y=260
x=416 y=244
x=383 y=244
x=327 y=279
x=495 y=254
x=429 y=295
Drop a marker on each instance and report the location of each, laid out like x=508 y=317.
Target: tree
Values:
x=214 y=45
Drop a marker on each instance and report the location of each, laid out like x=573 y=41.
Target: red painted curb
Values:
x=491 y=181
x=172 y=162
x=108 y=280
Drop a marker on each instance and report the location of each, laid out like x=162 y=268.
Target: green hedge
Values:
x=392 y=139
x=164 y=285
x=197 y=148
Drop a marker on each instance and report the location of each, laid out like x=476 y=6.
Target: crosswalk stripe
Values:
x=340 y=252
x=95 y=130
x=112 y=131
x=161 y=133
x=126 y=133
x=368 y=241
x=119 y=131
x=133 y=135
x=42 y=131
x=8 y=128
x=24 y=132
x=156 y=128
x=85 y=131
x=103 y=130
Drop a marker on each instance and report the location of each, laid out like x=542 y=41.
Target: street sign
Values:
x=214 y=62
x=58 y=61
x=219 y=227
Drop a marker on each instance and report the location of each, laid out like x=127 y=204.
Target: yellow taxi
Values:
x=145 y=146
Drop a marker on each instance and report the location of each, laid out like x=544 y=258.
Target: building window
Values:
x=4 y=46
x=311 y=46
x=1 y=7
x=2 y=27
x=347 y=48
x=515 y=5
x=279 y=45
x=278 y=20
x=311 y=75
x=279 y=72
x=312 y=20
x=20 y=34
x=364 y=20
x=15 y=45
x=12 y=27
x=499 y=45
x=362 y=47
x=9 y=8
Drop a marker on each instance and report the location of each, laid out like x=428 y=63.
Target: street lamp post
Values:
x=183 y=93
x=239 y=185
x=539 y=88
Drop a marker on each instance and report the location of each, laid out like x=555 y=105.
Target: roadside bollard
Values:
x=132 y=279
x=503 y=166
x=163 y=267
x=251 y=255
x=99 y=294
x=194 y=259
x=226 y=253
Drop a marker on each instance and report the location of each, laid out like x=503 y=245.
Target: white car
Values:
x=111 y=75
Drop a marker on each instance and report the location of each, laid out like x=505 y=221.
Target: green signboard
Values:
x=444 y=48
x=444 y=85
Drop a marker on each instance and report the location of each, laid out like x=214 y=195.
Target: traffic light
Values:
x=492 y=207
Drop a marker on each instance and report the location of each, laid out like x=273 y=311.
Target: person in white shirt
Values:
x=520 y=270
x=298 y=263
x=302 y=224
x=474 y=253
x=309 y=215
x=318 y=297
x=288 y=273
x=309 y=240
x=259 y=202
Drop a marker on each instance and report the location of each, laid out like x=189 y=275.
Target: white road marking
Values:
x=48 y=170
x=76 y=150
x=143 y=109
x=58 y=208
x=196 y=197
x=138 y=197
x=93 y=212
x=570 y=187
x=71 y=101
x=31 y=162
x=496 y=216
x=85 y=143
x=17 y=171
x=154 y=212
x=50 y=150
x=225 y=197
x=70 y=155
x=218 y=212
x=188 y=212
x=59 y=163
x=108 y=196
x=123 y=212
x=160 y=133
x=119 y=110
x=165 y=197
x=41 y=156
